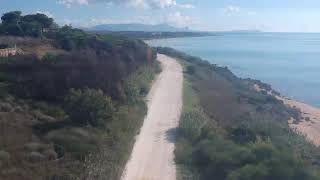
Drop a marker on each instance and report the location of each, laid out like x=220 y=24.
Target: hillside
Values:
x=70 y=102
x=229 y=131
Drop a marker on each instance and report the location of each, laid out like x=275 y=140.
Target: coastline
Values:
x=309 y=123
x=307 y=120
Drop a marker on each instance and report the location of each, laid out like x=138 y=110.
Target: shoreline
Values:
x=309 y=123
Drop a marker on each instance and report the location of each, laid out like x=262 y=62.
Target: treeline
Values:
x=34 y=25
x=229 y=131
x=72 y=103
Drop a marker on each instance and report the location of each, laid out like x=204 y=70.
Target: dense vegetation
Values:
x=71 y=104
x=13 y=23
x=229 y=131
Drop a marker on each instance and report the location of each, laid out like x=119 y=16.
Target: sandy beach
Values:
x=309 y=124
x=152 y=157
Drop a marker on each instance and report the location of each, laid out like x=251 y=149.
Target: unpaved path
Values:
x=152 y=157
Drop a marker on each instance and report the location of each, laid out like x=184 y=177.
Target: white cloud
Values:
x=252 y=13
x=177 y=19
x=132 y=3
x=69 y=3
x=232 y=9
x=47 y=13
x=186 y=6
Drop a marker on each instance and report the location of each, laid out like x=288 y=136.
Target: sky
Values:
x=205 y=15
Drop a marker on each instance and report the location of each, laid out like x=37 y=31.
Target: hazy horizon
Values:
x=204 y=15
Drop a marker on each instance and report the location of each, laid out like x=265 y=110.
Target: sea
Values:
x=289 y=62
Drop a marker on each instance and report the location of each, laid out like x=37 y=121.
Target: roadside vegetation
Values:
x=72 y=102
x=229 y=131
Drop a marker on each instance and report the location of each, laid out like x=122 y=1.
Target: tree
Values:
x=89 y=107
x=12 y=17
x=30 y=25
x=1 y=29
x=10 y=23
x=41 y=19
x=70 y=38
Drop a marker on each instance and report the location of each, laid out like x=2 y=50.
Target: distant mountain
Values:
x=246 y=31
x=138 y=27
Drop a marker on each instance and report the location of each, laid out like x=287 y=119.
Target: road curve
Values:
x=152 y=157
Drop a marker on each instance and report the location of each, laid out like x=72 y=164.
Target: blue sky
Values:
x=213 y=15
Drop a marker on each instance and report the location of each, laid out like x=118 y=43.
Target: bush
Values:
x=89 y=107
x=77 y=141
x=51 y=110
x=190 y=70
x=49 y=57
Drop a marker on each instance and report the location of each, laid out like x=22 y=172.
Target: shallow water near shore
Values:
x=290 y=62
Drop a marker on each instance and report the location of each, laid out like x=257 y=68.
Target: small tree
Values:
x=89 y=107
x=11 y=17
x=41 y=21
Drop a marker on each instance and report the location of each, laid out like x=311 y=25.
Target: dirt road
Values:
x=152 y=157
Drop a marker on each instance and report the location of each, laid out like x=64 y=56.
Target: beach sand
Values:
x=309 y=124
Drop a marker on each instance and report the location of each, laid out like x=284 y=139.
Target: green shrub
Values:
x=138 y=83
x=49 y=57
x=190 y=70
x=51 y=110
x=77 y=141
x=89 y=107
x=4 y=91
x=191 y=124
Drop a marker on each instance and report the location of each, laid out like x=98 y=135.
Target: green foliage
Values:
x=89 y=107
x=41 y=19
x=90 y=136
x=13 y=23
x=4 y=90
x=138 y=83
x=242 y=135
x=51 y=110
x=70 y=38
x=49 y=57
x=77 y=141
x=11 y=17
x=214 y=156
x=190 y=70
x=191 y=124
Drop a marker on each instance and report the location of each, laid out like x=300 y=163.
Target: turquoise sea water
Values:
x=290 y=62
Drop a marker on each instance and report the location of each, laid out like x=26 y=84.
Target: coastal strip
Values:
x=309 y=123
